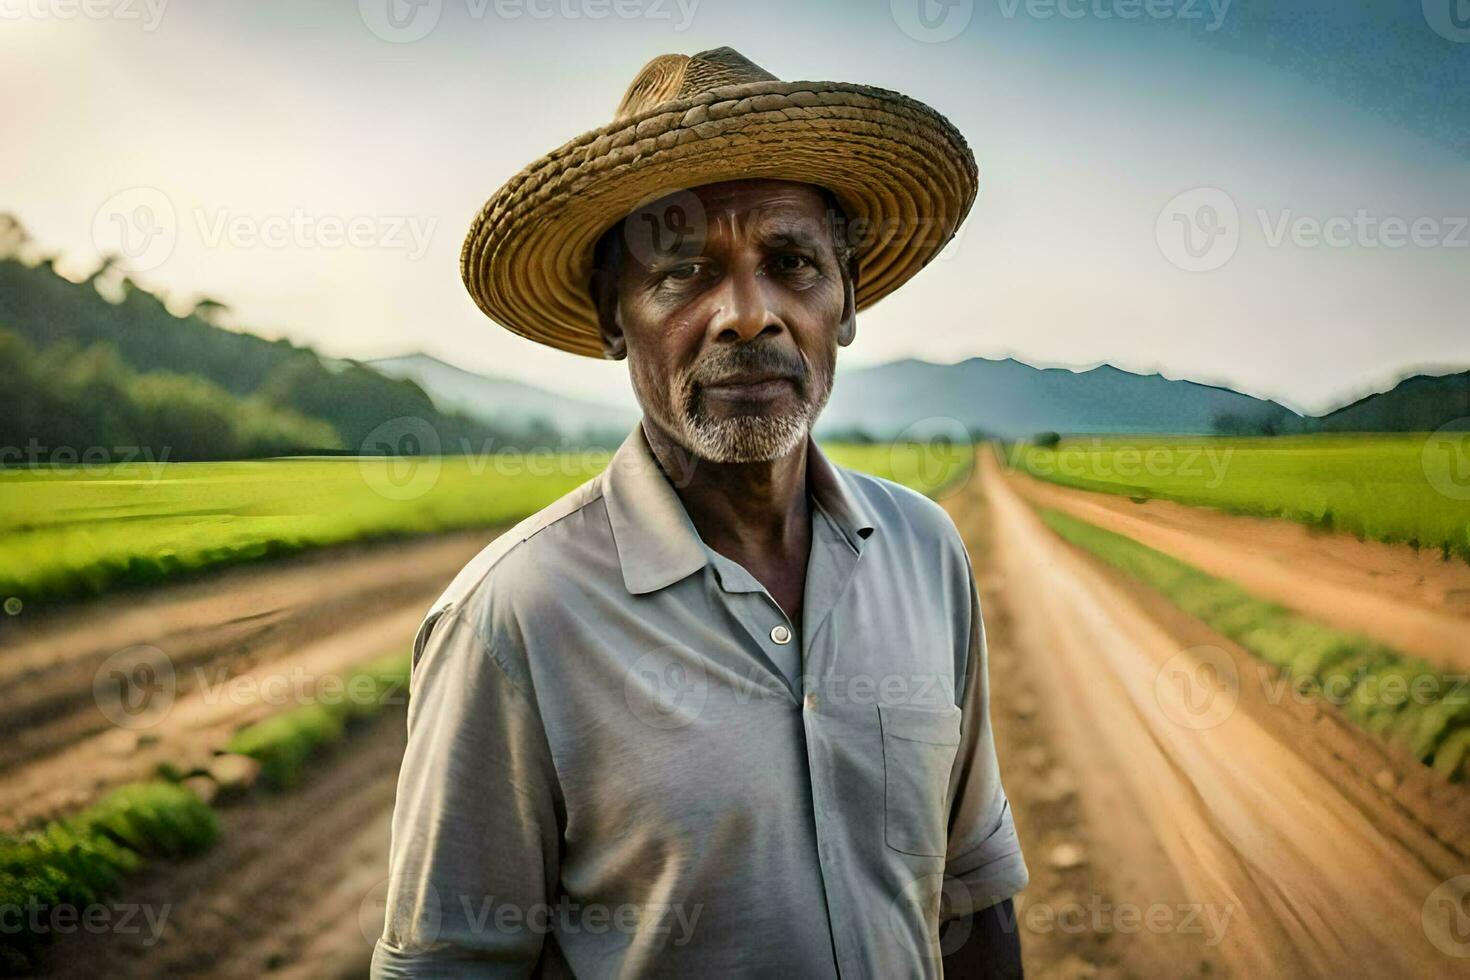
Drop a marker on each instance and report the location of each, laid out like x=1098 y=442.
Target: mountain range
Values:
x=105 y=364
x=1001 y=398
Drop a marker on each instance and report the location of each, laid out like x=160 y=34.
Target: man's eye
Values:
x=684 y=270
x=792 y=263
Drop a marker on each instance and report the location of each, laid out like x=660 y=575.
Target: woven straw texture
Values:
x=903 y=174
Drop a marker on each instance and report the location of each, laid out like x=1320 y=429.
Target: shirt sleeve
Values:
x=984 y=854
x=474 y=858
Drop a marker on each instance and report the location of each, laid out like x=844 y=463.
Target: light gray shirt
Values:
x=624 y=760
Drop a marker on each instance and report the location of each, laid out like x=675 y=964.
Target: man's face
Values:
x=730 y=303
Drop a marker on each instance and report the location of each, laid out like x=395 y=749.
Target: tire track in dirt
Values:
x=1040 y=768
x=1250 y=822
x=1411 y=600
x=333 y=611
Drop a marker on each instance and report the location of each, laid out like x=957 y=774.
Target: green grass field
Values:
x=68 y=532
x=1410 y=489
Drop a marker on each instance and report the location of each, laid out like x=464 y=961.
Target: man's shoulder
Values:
x=551 y=542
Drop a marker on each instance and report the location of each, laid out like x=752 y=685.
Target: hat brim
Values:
x=904 y=175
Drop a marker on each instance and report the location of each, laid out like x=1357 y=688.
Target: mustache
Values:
x=767 y=359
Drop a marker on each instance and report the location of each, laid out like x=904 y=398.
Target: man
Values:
x=723 y=709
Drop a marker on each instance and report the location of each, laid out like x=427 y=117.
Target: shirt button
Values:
x=810 y=701
x=780 y=634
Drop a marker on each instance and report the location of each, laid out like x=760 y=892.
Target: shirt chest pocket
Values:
x=919 y=747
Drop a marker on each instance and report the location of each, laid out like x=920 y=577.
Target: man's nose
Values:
x=743 y=310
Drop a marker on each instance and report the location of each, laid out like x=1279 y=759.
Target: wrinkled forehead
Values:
x=759 y=211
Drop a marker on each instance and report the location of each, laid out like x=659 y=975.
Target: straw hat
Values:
x=903 y=174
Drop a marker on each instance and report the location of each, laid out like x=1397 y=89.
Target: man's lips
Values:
x=751 y=385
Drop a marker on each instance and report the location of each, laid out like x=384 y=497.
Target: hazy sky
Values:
x=1315 y=153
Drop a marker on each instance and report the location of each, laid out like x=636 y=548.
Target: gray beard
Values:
x=746 y=438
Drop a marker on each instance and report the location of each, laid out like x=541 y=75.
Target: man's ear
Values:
x=609 y=320
x=847 y=326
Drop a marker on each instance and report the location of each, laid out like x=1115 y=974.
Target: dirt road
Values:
x=1412 y=600
x=1291 y=843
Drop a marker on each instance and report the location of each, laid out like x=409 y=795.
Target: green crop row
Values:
x=1399 y=698
x=285 y=743
x=83 y=859
x=1406 y=489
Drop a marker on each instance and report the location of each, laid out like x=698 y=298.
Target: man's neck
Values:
x=756 y=514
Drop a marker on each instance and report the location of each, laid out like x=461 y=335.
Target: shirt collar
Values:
x=657 y=542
